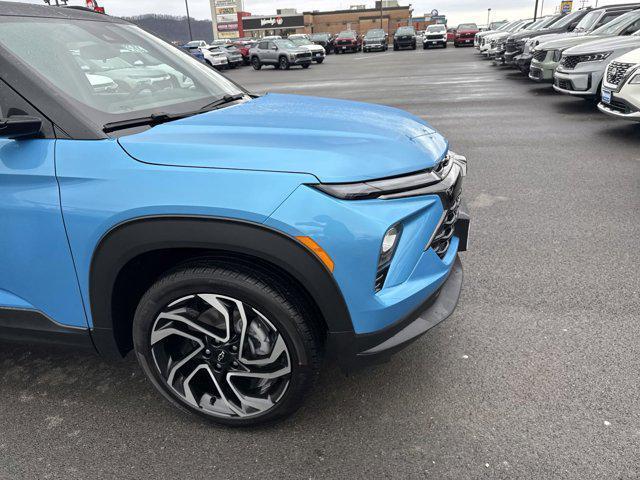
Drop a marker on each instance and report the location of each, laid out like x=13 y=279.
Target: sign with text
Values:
x=275 y=22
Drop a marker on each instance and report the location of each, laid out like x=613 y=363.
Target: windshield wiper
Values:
x=160 y=118
x=151 y=120
x=223 y=101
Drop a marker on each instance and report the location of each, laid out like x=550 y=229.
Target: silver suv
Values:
x=280 y=53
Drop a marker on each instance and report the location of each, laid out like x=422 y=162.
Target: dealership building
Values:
x=360 y=19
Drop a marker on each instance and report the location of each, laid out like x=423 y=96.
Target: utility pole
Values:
x=542 y=9
x=381 y=15
x=186 y=3
x=488 y=17
x=535 y=12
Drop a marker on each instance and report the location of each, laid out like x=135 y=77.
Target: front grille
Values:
x=540 y=55
x=564 y=84
x=467 y=35
x=442 y=239
x=617 y=71
x=434 y=37
x=303 y=55
x=510 y=46
x=344 y=42
x=570 y=61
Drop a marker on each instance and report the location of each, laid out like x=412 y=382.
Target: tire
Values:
x=306 y=65
x=445 y=45
x=256 y=63
x=283 y=63
x=395 y=48
x=424 y=47
x=198 y=295
x=414 y=46
x=320 y=60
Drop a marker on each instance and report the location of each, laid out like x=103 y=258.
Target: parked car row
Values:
x=590 y=53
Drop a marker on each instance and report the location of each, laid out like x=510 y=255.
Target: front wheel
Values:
x=229 y=344
x=320 y=60
x=306 y=65
x=284 y=64
x=255 y=63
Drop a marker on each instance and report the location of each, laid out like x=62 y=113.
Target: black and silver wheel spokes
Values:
x=221 y=355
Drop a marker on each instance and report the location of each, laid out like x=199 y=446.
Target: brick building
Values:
x=332 y=22
x=358 y=20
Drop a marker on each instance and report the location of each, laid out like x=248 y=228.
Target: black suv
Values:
x=375 y=39
x=405 y=37
x=324 y=39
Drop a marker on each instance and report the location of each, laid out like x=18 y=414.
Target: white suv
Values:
x=621 y=87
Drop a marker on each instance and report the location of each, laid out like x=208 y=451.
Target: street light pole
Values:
x=535 y=13
x=381 y=15
x=186 y=3
x=488 y=17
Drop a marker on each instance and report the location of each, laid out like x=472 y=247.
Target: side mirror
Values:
x=20 y=126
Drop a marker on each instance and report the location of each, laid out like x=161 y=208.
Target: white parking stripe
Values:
x=372 y=56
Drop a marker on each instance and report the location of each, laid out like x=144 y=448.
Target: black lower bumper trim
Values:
x=355 y=351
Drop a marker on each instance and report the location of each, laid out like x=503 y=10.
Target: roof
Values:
x=16 y=9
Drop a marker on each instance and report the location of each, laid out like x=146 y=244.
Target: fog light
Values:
x=387 y=250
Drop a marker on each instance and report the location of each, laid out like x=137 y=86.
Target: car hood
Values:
x=549 y=37
x=632 y=57
x=606 y=44
x=468 y=31
x=568 y=42
x=334 y=140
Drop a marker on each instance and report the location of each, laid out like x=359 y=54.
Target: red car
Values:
x=465 y=33
x=347 y=41
x=244 y=47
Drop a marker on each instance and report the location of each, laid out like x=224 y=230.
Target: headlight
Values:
x=595 y=57
x=557 y=55
x=520 y=43
x=635 y=80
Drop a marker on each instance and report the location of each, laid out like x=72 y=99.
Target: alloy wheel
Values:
x=220 y=355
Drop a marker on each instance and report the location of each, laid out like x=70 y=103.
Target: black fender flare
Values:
x=135 y=237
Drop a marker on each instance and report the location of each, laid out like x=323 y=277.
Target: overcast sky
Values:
x=457 y=11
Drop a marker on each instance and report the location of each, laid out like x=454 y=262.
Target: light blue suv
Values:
x=232 y=242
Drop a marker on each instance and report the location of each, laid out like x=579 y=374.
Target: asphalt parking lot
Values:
x=534 y=376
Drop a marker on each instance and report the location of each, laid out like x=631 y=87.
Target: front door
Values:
x=38 y=284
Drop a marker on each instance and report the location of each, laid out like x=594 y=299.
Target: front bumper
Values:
x=523 y=62
x=625 y=102
x=353 y=351
x=463 y=41
x=367 y=47
x=300 y=61
x=542 y=71
x=582 y=82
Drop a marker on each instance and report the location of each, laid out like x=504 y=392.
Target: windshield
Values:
x=301 y=41
x=588 y=21
x=569 y=19
x=285 y=43
x=614 y=27
x=374 y=33
x=467 y=26
x=549 y=22
x=405 y=31
x=436 y=28
x=320 y=36
x=515 y=26
x=347 y=33
x=145 y=75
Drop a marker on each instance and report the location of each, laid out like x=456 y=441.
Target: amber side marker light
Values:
x=317 y=249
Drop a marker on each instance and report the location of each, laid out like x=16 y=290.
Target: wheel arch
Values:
x=144 y=248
